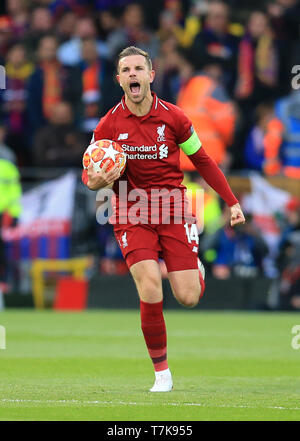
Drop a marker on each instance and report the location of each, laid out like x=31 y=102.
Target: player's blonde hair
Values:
x=132 y=50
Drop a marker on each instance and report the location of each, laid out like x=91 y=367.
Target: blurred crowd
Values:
x=231 y=65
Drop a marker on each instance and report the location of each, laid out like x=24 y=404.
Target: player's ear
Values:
x=152 y=75
x=118 y=79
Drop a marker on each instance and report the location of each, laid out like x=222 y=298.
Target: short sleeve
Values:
x=187 y=138
x=183 y=125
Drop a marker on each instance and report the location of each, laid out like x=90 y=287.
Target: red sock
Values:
x=154 y=330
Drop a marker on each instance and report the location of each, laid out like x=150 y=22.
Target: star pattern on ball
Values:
x=110 y=152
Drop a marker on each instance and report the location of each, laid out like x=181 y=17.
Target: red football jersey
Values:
x=151 y=144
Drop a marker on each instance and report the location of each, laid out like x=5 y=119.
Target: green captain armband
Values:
x=191 y=145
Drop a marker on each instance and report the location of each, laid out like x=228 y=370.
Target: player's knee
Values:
x=190 y=301
x=150 y=290
x=190 y=298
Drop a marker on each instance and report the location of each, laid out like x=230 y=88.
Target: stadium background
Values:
x=234 y=58
x=238 y=364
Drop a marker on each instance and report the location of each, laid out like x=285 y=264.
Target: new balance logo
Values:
x=123 y=136
x=195 y=250
x=163 y=151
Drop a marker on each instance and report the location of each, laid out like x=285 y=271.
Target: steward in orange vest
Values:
x=213 y=116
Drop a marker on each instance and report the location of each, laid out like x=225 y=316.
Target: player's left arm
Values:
x=209 y=170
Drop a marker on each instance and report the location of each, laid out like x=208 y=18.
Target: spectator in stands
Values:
x=264 y=131
x=10 y=207
x=289 y=224
x=189 y=26
x=137 y=34
x=289 y=258
x=6 y=35
x=59 y=144
x=169 y=73
x=206 y=103
x=41 y=24
x=258 y=64
x=59 y=7
x=18 y=13
x=186 y=32
x=66 y=25
x=13 y=99
x=282 y=150
x=69 y=53
x=113 y=34
x=100 y=91
x=102 y=5
x=170 y=23
x=239 y=251
x=285 y=18
x=5 y=151
x=216 y=44
x=91 y=84
x=50 y=83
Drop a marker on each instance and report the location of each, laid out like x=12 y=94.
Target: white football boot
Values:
x=163 y=381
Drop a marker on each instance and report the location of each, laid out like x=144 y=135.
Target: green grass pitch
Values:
x=94 y=366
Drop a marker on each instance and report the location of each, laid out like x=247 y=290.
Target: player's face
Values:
x=135 y=77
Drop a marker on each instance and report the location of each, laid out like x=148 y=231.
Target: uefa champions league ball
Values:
x=100 y=152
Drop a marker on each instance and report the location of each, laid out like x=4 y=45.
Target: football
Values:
x=100 y=152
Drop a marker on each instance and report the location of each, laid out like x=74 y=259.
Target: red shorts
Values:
x=177 y=244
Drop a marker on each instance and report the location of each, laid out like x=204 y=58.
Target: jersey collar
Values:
x=151 y=112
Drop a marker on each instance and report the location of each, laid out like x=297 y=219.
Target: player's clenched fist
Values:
x=102 y=178
x=237 y=216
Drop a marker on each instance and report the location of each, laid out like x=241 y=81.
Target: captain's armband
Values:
x=191 y=145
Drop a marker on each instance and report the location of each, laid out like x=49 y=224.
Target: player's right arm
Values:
x=189 y=142
x=97 y=180
x=214 y=177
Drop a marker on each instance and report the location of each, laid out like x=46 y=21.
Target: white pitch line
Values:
x=129 y=403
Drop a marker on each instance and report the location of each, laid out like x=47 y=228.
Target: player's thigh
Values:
x=179 y=243
x=147 y=277
x=180 y=252
x=132 y=238
x=185 y=286
x=140 y=247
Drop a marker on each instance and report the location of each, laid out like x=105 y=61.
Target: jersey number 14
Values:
x=191 y=233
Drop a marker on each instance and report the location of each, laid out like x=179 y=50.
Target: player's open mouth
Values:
x=135 y=88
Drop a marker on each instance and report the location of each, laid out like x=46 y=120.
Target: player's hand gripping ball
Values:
x=103 y=151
